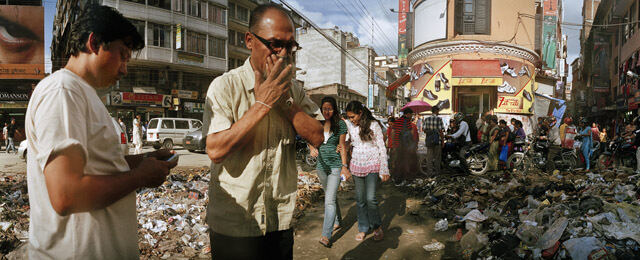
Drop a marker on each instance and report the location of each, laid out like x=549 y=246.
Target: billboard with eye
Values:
x=21 y=42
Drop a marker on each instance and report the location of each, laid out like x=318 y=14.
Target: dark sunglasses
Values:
x=276 y=46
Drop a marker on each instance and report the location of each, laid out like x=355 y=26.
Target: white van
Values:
x=165 y=132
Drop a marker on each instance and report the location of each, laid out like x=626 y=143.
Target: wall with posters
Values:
x=516 y=95
x=431 y=83
x=23 y=57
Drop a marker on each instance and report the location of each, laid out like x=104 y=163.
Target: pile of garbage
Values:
x=511 y=215
x=14 y=213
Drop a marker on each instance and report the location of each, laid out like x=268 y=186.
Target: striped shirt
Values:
x=397 y=127
x=328 y=158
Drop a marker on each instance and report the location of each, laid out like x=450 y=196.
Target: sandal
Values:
x=360 y=236
x=335 y=228
x=377 y=234
x=325 y=242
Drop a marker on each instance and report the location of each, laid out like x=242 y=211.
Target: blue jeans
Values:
x=330 y=185
x=11 y=145
x=368 y=214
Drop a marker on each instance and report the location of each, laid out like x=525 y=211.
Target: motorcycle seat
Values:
x=479 y=146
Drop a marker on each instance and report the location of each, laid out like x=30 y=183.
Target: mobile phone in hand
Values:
x=173 y=158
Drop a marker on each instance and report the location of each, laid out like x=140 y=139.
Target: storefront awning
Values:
x=401 y=81
x=476 y=68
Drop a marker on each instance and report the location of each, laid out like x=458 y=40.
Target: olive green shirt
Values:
x=253 y=191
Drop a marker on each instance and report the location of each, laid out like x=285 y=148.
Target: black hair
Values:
x=258 y=12
x=513 y=120
x=435 y=109
x=391 y=119
x=107 y=24
x=502 y=121
x=335 y=119
x=518 y=123
x=407 y=111
x=365 y=119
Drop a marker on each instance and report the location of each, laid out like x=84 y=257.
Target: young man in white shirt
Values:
x=81 y=186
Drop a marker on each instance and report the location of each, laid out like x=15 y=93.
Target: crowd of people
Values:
x=9 y=132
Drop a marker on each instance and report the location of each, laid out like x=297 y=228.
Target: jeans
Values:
x=586 y=152
x=330 y=185
x=368 y=214
x=10 y=145
x=273 y=245
x=551 y=154
x=434 y=159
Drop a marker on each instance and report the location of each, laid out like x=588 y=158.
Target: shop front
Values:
x=14 y=99
x=188 y=103
x=127 y=105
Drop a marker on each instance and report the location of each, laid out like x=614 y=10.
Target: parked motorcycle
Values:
x=535 y=155
x=303 y=154
x=619 y=153
x=477 y=158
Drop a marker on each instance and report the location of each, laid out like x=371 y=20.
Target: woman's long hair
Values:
x=365 y=120
x=335 y=118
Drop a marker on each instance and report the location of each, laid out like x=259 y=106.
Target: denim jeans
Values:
x=330 y=185
x=368 y=214
x=10 y=145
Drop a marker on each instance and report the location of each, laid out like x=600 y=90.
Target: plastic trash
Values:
x=472 y=205
x=433 y=246
x=441 y=225
x=553 y=234
x=475 y=215
x=529 y=233
x=472 y=242
x=580 y=248
x=470 y=225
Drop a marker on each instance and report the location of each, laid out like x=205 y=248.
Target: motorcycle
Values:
x=535 y=155
x=476 y=157
x=619 y=153
x=303 y=154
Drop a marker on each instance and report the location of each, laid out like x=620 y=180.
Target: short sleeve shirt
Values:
x=328 y=158
x=253 y=191
x=65 y=111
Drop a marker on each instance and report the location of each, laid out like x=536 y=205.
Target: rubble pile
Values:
x=569 y=215
x=309 y=191
x=14 y=213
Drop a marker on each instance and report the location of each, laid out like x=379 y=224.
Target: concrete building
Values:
x=481 y=55
x=387 y=68
x=338 y=91
x=185 y=49
x=320 y=62
x=22 y=63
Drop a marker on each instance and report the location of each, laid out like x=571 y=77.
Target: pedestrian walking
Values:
x=12 y=129
x=433 y=129
x=494 y=140
x=5 y=135
x=137 y=135
x=368 y=166
x=122 y=125
x=81 y=186
x=462 y=136
x=331 y=166
x=585 y=132
x=252 y=114
x=405 y=137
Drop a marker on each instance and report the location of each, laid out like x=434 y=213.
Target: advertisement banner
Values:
x=184 y=94
x=192 y=107
x=370 y=97
x=178 y=36
x=600 y=71
x=138 y=99
x=432 y=89
x=433 y=13
x=403 y=9
x=515 y=94
x=22 y=38
x=549 y=42
x=550 y=7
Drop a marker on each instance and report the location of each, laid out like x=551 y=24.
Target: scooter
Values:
x=536 y=156
x=619 y=153
x=476 y=157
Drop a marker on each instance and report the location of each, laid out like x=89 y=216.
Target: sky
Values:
x=355 y=16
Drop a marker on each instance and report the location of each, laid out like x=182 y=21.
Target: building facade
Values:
x=185 y=49
x=487 y=55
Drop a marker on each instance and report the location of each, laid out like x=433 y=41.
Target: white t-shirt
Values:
x=65 y=111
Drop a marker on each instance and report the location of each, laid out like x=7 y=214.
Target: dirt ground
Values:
x=406 y=222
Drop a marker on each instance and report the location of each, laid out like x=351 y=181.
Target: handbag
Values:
x=504 y=154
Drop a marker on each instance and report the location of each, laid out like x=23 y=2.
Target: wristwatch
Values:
x=288 y=103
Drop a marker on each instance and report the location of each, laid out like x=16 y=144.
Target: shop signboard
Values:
x=184 y=94
x=23 y=57
x=484 y=81
x=600 y=71
x=516 y=93
x=139 y=99
x=14 y=104
x=15 y=95
x=193 y=107
x=190 y=58
x=370 y=97
x=402 y=32
x=434 y=90
x=178 y=36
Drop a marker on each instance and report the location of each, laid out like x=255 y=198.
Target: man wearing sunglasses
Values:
x=252 y=114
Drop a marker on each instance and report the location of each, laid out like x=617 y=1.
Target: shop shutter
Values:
x=458 y=10
x=483 y=16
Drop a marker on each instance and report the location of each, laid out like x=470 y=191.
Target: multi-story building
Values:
x=22 y=62
x=610 y=52
x=320 y=62
x=185 y=49
x=482 y=55
x=387 y=68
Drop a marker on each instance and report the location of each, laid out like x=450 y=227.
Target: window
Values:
x=167 y=124
x=232 y=37
x=242 y=14
x=139 y=26
x=472 y=16
x=178 y=6
x=160 y=35
x=195 y=124
x=240 y=39
x=196 y=42
x=232 y=10
x=217 y=15
x=182 y=124
x=196 y=8
x=165 y=4
x=216 y=47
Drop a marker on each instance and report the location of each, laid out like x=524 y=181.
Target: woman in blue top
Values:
x=585 y=132
x=331 y=165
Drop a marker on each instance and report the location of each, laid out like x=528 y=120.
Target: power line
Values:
x=373 y=20
x=359 y=22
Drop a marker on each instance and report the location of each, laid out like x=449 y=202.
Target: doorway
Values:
x=473 y=101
